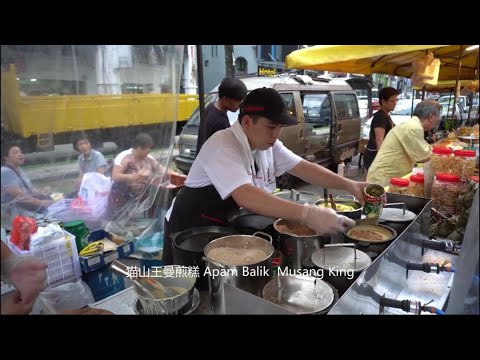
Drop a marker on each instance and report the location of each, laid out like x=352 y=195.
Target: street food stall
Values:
x=403 y=271
x=388 y=264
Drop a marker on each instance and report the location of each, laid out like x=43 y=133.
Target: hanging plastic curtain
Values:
x=68 y=110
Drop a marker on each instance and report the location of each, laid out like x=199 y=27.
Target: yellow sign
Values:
x=266 y=71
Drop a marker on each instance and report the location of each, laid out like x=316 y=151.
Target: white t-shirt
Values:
x=220 y=162
x=119 y=157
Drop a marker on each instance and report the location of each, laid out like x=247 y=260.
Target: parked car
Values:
x=401 y=114
x=328 y=129
x=460 y=115
x=462 y=100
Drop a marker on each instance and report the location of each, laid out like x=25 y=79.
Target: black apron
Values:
x=195 y=207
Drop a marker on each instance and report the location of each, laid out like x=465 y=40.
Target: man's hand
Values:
x=12 y=305
x=325 y=220
x=356 y=189
x=28 y=275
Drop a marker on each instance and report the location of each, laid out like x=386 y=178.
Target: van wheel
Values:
x=286 y=181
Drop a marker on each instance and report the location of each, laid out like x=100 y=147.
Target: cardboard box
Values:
x=94 y=262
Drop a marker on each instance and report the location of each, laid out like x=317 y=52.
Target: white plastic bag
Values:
x=94 y=190
x=69 y=296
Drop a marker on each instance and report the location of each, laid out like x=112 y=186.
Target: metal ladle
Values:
x=122 y=269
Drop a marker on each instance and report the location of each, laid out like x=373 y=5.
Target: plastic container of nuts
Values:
x=463 y=163
x=398 y=185
x=445 y=190
x=416 y=185
x=441 y=160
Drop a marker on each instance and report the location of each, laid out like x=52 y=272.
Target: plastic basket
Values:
x=60 y=255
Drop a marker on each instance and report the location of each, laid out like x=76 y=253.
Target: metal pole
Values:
x=413 y=101
x=201 y=95
x=469 y=122
x=457 y=91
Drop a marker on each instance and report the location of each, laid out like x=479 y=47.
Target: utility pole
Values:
x=229 y=65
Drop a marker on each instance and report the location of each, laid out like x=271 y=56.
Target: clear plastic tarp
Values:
x=88 y=133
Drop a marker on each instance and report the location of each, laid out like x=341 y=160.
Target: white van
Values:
x=328 y=131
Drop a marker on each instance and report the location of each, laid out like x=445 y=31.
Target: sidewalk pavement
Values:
x=359 y=176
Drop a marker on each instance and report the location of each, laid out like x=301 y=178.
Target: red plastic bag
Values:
x=22 y=228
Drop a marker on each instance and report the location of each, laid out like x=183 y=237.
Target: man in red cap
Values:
x=237 y=167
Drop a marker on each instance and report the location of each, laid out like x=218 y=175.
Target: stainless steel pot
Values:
x=297 y=250
x=251 y=278
x=352 y=214
x=171 y=276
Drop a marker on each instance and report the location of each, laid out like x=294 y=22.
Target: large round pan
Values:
x=388 y=233
x=248 y=223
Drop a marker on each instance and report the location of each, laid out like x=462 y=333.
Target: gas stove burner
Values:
x=187 y=310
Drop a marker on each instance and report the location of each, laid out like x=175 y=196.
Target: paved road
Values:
x=60 y=167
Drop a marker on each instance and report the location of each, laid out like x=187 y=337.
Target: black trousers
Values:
x=368 y=157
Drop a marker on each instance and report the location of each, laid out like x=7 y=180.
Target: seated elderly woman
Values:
x=17 y=190
x=133 y=169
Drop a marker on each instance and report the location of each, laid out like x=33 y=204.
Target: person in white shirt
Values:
x=237 y=167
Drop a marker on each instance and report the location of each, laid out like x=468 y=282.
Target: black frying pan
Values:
x=247 y=222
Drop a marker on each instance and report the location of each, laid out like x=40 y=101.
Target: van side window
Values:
x=346 y=105
x=290 y=102
x=317 y=110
